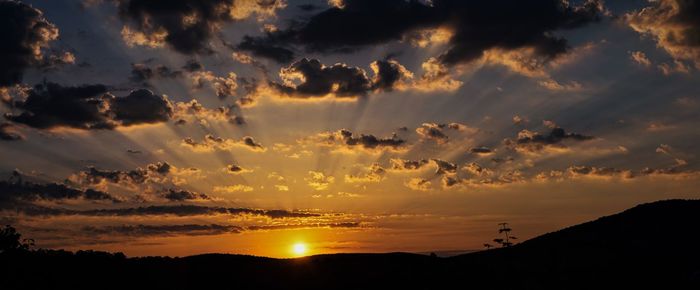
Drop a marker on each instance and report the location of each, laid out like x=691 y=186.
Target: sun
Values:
x=299 y=249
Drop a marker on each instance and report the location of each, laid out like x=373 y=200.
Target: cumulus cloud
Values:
x=673 y=24
x=211 y=143
x=418 y=184
x=375 y=173
x=533 y=142
x=223 y=86
x=88 y=107
x=318 y=180
x=436 y=132
x=186 y=26
x=398 y=164
x=25 y=34
x=310 y=78
x=195 y=111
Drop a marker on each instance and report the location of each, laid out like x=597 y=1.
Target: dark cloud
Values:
x=186 y=26
x=161 y=210
x=309 y=78
x=192 y=65
x=308 y=7
x=444 y=167
x=366 y=141
x=320 y=80
x=142 y=73
x=141 y=230
x=184 y=195
x=387 y=74
x=140 y=107
x=211 y=142
x=8 y=133
x=93 y=176
x=163 y=230
x=24 y=32
x=267 y=48
x=16 y=193
x=477 y=26
x=481 y=150
x=88 y=107
x=433 y=131
x=529 y=141
x=403 y=164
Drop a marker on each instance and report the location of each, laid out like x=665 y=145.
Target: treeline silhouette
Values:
x=651 y=246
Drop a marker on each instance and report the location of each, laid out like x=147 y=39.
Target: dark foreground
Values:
x=651 y=246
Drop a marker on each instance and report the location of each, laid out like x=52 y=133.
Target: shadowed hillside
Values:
x=652 y=245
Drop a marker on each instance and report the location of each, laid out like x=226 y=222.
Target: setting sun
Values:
x=299 y=249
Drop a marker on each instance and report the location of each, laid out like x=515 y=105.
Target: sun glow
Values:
x=299 y=249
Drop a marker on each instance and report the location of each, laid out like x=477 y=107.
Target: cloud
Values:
x=407 y=165
x=318 y=180
x=375 y=174
x=474 y=26
x=674 y=26
x=389 y=74
x=224 y=87
x=185 y=26
x=481 y=151
x=236 y=169
x=436 y=132
x=309 y=79
x=640 y=58
x=151 y=173
x=167 y=210
x=25 y=33
x=418 y=184
x=8 y=132
x=194 y=110
x=233 y=188
x=318 y=80
x=211 y=143
x=141 y=230
x=345 y=139
x=533 y=142
x=142 y=73
x=15 y=193
x=444 y=167
x=88 y=107
x=553 y=85
x=184 y=195
x=162 y=230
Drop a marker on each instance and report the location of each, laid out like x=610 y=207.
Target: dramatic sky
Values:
x=176 y=127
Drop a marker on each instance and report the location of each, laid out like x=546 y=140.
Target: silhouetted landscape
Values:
x=651 y=246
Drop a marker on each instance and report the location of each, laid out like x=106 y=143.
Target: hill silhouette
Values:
x=651 y=246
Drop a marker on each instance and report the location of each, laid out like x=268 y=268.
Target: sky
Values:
x=256 y=126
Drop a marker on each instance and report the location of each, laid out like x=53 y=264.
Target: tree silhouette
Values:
x=505 y=241
x=11 y=240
